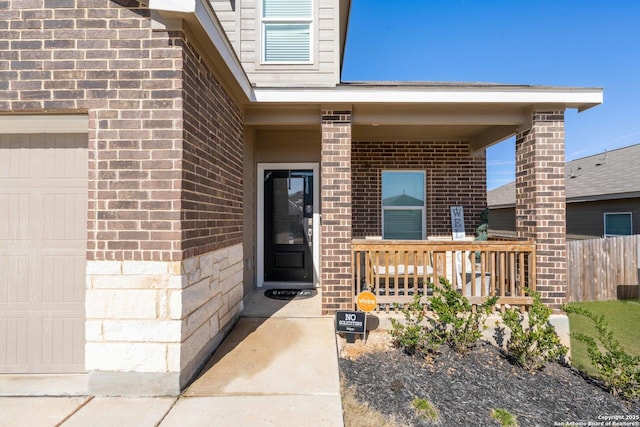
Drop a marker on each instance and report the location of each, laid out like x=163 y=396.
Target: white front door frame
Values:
x=262 y=167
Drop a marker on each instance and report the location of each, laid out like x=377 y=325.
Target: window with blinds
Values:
x=286 y=31
x=403 y=207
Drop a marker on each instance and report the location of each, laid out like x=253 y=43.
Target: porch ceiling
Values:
x=481 y=113
x=482 y=125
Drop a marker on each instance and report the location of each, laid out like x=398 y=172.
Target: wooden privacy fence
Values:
x=396 y=270
x=603 y=269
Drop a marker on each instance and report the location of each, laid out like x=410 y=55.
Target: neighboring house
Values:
x=602 y=194
x=143 y=146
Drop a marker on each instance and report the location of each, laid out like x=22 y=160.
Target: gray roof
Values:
x=613 y=174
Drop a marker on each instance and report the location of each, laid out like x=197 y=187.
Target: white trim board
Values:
x=262 y=167
x=581 y=98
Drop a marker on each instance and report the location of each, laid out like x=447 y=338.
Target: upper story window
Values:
x=617 y=224
x=403 y=207
x=286 y=31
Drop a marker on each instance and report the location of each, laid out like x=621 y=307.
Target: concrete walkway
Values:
x=277 y=367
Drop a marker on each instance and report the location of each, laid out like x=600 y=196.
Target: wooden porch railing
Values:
x=395 y=270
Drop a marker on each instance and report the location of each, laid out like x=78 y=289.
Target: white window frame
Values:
x=422 y=208
x=286 y=20
x=617 y=213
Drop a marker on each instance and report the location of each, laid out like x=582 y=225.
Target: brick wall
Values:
x=336 y=208
x=540 y=201
x=212 y=162
x=102 y=58
x=453 y=177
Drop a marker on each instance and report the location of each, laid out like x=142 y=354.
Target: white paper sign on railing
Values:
x=457 y=223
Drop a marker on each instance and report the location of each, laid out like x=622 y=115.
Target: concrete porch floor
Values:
x=278 y=366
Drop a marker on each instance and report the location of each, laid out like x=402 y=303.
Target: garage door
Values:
x=43 y=211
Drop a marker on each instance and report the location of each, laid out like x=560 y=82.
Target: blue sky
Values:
x=584 y=43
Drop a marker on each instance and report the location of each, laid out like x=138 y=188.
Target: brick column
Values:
x=335 y=171
x=540 y=201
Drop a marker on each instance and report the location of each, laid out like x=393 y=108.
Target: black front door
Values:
x=288 y=226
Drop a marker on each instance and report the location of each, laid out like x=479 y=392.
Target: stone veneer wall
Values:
x=454 y=176
x=151 y=324
x=165 y=180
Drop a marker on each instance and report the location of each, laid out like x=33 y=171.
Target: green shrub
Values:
x=504 y=417
x=425 y=409
x=455 y=321
x=619 y=370
x=538 y=343
x=411 y=335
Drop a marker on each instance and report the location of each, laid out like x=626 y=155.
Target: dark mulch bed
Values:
x=464 y=389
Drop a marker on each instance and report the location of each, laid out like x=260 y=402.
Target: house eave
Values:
x=202 y=19
x=483 y=114
x=503 y=206
x=535 y=96
x=582 y=199
x=601 y=197
x=345 y=15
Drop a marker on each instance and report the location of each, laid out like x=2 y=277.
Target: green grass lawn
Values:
x=623 y=318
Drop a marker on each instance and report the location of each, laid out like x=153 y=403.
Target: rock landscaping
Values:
x=465 y=389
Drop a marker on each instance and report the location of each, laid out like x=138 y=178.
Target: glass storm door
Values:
x=288 y=226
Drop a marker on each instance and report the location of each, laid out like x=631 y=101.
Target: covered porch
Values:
x=356 y=133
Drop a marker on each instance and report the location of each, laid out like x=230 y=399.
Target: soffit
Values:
x=481 y=113
x=410 y=114
x=483 y=125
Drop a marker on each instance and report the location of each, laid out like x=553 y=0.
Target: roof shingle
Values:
x=613 y=174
